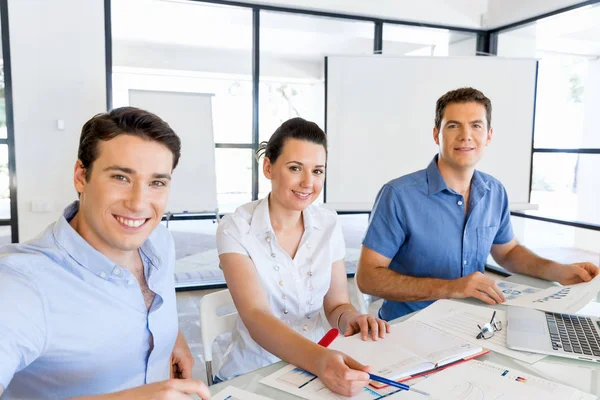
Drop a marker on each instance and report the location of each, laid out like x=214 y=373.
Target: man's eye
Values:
x=120 y=177
x=159 y=183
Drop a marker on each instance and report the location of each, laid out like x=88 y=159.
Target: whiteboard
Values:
x=381 y=113
x=194 y=183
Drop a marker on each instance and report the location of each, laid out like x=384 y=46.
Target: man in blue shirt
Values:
x=431 y=231
x=88 y=307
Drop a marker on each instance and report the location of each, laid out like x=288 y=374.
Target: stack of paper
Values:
x=485 y=380
x=461 y=320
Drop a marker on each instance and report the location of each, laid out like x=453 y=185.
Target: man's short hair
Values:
x=124 y=121
x=462 y=95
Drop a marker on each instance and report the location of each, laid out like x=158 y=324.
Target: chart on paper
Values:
x=476 y=380
x=306 y=385
x=562 y=299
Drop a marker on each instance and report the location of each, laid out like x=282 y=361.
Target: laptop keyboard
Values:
x=573 y=334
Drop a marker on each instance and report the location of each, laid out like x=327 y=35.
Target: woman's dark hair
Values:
x=124 y=121
x=295 y=128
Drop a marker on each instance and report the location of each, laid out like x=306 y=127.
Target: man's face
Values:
x=463 y=134
x=126 y=194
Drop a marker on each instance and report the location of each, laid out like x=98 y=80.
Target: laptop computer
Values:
x=562 y=335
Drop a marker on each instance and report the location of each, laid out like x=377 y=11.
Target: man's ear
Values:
x=489 y=136
x=79 y=176
x=436 y=135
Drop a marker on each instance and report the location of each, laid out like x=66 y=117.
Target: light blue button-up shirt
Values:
x=419 y=222
x=73 y=323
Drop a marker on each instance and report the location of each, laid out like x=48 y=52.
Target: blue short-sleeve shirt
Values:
x=73 y=323
x=420 y=223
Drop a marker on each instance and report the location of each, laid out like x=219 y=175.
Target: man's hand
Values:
x=571 y=274
x=182 y=360
x=173 y=389
x=342 y=374
x=476 y=285
x=363 y=323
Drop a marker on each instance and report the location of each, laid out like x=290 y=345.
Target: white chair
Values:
x=363 y=299
x=212 y=324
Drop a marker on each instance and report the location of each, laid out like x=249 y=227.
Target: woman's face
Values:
x=298 y=174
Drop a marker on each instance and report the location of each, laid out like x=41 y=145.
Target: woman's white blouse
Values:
x=295 y=287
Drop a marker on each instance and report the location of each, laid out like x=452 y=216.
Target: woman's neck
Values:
x=283 y=219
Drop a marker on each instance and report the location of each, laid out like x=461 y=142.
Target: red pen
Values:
x=329 y=337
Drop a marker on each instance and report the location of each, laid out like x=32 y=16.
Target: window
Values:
x=188 y=46
x=292 y=77
x=566 y=140
x=412 y=41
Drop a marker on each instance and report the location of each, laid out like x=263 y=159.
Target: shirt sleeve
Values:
x=22 y=323
x=385 y=233
x=505 y=232
x=338 y=245
x=229 y=238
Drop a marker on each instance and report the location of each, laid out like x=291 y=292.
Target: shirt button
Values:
x=117 y=271
x=103 y=275
x=268 y=239
x=276 y=267
x=309 y=260
x=305 y=328
x=459 y=203
x=154 y=260
x=273 y=255
x=130 y=282
x=465 y=262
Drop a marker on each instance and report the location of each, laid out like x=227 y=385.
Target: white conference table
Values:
x=579 y=374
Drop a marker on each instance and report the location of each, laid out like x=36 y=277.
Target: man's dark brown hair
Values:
x=124 y=121
x=462 y=95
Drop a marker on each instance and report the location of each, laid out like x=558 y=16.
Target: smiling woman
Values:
x=282 y=258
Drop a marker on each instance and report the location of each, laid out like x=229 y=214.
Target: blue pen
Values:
x=395 y=384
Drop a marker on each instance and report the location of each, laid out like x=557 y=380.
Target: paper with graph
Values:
x=561 y=299
x=233 y=393
x=476 y=380
x=512 y=290
x=303 y=384
x=461 y=320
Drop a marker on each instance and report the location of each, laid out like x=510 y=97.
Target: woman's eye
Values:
x=295 y=169
x=319 y=172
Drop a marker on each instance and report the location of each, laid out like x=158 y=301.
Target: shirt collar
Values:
x=436 y=182
x=87 y=256
x=261 y=218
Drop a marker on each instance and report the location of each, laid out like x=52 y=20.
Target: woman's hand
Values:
x=342 y=374
x=363 y=323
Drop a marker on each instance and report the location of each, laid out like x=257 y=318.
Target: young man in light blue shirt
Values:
x=431 y=231
x=88 y=307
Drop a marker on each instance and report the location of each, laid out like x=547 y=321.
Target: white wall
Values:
x=503 y=12
x=464 y=13
x=58 y=72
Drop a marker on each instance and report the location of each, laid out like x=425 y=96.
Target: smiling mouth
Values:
x=301 y=195
x=464 y=148
x=130 y=222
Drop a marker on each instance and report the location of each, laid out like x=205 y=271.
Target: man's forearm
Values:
x=521 y=260
x=390 y=285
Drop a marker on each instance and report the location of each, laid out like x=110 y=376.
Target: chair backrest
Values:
x=363 y=299
x=212 y=324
